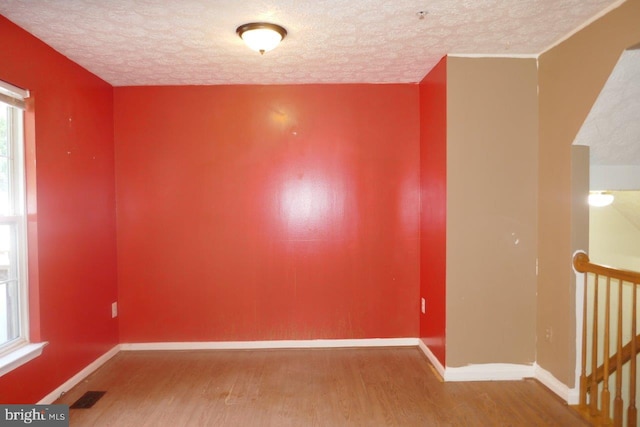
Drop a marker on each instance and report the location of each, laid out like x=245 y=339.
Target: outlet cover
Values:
x=423 y=305
x=114 y=310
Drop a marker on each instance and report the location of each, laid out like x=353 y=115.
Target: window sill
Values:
x=20 y=356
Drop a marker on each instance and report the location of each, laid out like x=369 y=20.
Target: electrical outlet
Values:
x=548 y=334
x=423 y=305
x=114 y=310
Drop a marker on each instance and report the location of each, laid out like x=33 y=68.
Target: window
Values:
x=13 y=283
x=14 y=328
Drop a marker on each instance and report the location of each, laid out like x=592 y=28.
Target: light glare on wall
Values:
x=600 y=199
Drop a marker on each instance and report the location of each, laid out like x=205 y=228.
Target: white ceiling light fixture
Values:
x=600 y=199
x=261 y=36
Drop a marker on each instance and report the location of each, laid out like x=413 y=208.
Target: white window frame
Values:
x=19 y=350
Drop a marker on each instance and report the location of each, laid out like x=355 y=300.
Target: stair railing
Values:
x=593 y=406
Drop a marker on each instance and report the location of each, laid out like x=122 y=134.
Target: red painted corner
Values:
x=433 y=200
x=71 y=213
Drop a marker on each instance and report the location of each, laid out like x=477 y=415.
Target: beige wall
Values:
x=492 y=135
x=570 y=78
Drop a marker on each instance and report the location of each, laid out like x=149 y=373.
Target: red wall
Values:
x=267 y=212
x=433 y=218
x=71 y=220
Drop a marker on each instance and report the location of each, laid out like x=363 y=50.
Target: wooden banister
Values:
x=593 y=393
x=625 y=356
x=596 y=408
x=606 y=394
x=617 y=401
x=582 y=264
x=632 y=412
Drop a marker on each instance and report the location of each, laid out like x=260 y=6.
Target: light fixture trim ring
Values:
x=261 y=26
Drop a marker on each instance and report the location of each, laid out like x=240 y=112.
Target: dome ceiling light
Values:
x=600 y=199
x=261 y=36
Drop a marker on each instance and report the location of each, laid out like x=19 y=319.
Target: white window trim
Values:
x=13 y=95
x=13 y=91
x=20 y=351
x=20 y=356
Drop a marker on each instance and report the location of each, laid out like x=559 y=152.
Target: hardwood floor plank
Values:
x=317 y=387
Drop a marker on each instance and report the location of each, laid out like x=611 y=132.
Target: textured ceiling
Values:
x=186 y=42
x=612 y=128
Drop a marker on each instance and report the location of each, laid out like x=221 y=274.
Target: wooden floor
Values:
x=336 y=387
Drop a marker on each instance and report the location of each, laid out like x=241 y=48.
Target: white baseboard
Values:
x=276 y=344
x=502 y=372
x=71 y=382
x=574 y=396
x=432 y=358
x=570 y=395
x=481 y=372
x=489 y=372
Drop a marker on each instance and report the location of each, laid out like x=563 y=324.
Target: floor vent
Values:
x=88 y=400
